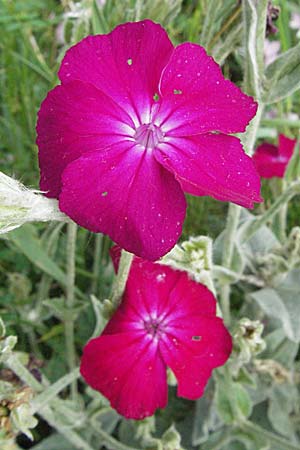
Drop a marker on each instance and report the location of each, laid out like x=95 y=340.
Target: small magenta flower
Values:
x=272 y=161
x=165 y=319
x=135 y=124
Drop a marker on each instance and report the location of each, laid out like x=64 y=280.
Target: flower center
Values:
x=148 y=135
x=154 y=327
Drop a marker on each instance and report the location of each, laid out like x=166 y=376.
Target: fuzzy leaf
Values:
x=283 y=76
x=233 y=401
x=254 y=15
x=283 y=303
x=282 y=403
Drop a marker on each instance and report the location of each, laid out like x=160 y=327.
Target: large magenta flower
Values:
x=272 y=161
x=134 y=124
x=165 y=319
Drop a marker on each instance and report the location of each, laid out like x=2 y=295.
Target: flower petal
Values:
x=128 y=196
x=196 y=97
x=168 y=293
x=192 y=348
x=74 y=119
x=286 y=146
x=129 y=371
x=214 y=165
x=268 y=162
x=126 y=64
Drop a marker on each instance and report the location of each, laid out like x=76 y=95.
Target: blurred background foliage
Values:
x=34 y=36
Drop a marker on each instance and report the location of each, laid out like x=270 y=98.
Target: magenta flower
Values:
x=135 y=124
x=165 y=319
x=272 y=161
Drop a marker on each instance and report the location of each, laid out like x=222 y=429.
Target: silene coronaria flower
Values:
x=136 y=123
x=272 y=161
x=165 y=320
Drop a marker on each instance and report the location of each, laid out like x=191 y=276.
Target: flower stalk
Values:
x=251 y=228
x=121 y=278
x=69 y=303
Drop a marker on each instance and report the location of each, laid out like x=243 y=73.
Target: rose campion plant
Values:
x=272 y=161
x=136 y=123
x=165 y=319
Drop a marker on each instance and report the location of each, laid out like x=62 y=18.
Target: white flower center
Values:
x=148 y=135
x=154 y=327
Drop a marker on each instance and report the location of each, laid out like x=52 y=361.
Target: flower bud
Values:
x=19 y=205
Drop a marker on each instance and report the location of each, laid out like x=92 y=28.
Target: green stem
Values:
x=70 y=297
x=271 y=437
x=96 y=263
x=67 y=432
x=282 y=216
x=109 y=440
x=280 y=122
x=121 y=278
x=233 y=217
x=51 y=392
x=248 y=138
x=225 y=26
x=47 y=413
x=251 y=228
x=23 y=373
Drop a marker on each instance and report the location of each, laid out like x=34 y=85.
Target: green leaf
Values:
x=283 y=76
x=283 y=303
x=282 y=403
x=54 y=442
x=250 y=440
x=233 y=401
x=26 y=241
x=280 y=348
x=254 y=18
x=204 y=417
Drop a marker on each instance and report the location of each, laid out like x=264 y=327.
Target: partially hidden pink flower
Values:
x=135 y=124
x=272 y=161
x=165 y=319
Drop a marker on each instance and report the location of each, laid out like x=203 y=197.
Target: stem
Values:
x=47 y=413
x=70 y=297
x=252 y=227
x=96 y=264
x=67 y=432
x=23 y=373
x=225 y=26
x=281 y=222
x=113 y=443
x=271 y=437
x=280 y=122
x=121 y=278
x=248 y=138
x=51 y=392
x=233 y=217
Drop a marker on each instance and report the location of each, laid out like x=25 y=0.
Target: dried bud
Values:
x=272 y=15
x=248 y=341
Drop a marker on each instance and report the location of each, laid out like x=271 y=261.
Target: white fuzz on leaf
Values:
x=19 y=205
